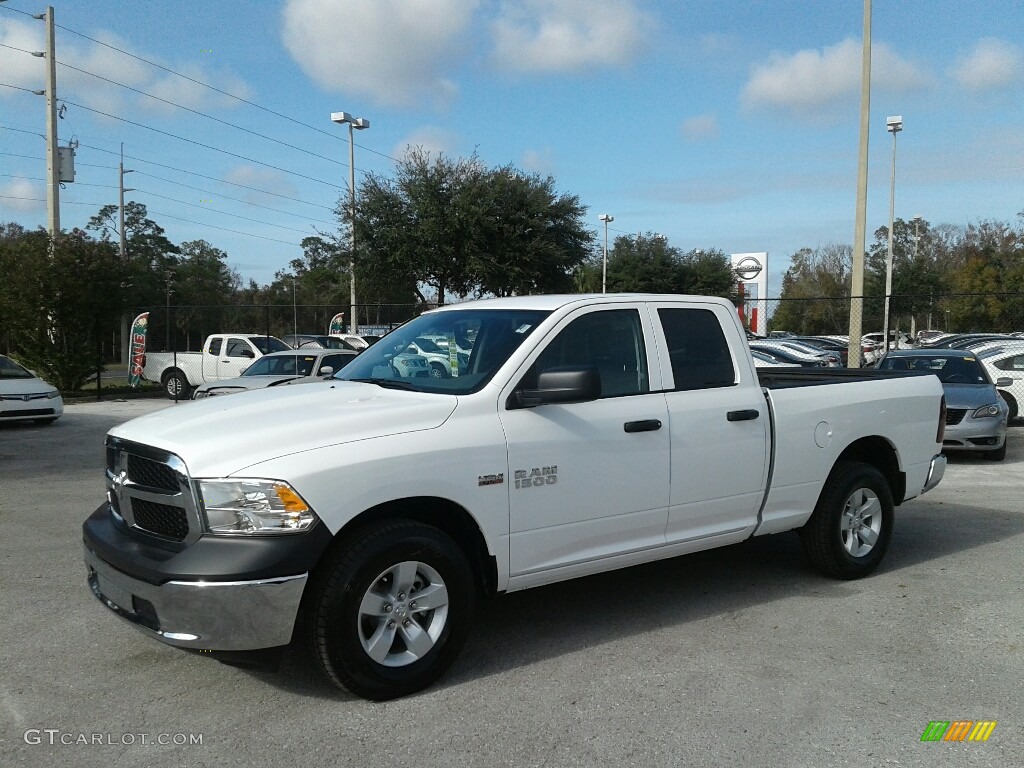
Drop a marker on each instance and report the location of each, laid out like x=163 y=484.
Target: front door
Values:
x=589 y=480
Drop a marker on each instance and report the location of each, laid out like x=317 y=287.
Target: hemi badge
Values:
x=491 y=479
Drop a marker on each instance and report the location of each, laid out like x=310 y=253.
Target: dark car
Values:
x=976 y=415
x=830 y=345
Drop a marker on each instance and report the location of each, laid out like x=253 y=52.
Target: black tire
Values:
x=850 y=555
x=44 y=422
x=1012 y=403
x=438 y=371
x=379 y=559
x=176 y=385
x=998 y=455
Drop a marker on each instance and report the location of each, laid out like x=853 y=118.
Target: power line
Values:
x=199 y=143
x=204 y=176
x=203 y=114
x=39 y=178
x=19 y=88
x=225 y=229
x=236 y=199
x=222 y=213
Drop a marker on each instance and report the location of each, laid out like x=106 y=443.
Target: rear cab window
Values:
x=697 y=349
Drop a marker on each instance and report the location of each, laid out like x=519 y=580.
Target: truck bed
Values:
x=775 y=378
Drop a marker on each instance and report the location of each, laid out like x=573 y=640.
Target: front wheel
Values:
x=997 y=455
x=438 y=371
x=851 y=526
x=391 y=610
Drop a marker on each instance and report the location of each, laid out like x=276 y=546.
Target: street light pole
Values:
x=604 y=264
x=894 y=125
x=358 y=123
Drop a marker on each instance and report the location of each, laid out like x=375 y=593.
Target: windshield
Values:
x=479 y=342
x=268 y=344
x=282 y=365
x=11 y=370
x=950 y=370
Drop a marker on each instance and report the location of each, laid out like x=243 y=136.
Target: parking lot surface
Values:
x=737 y=656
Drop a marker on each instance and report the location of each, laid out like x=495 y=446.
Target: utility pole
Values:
x=52 y=162
x=857 y=273
x=123 y=252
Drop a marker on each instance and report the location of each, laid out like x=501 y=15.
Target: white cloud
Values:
x=568 y=35
x=811 y=80
x=23 y=188
x=81 y=81
x=992 y=64
x=390 y=52
x=700 y=127
x=432 y=140
x=259 y=178
x=540 y=161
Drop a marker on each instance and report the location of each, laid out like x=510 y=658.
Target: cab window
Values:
x=697 y=349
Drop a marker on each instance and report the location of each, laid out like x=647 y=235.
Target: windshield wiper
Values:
x=387 y=384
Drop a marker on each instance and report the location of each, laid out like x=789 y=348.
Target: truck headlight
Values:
x=986 y=411
x=244 y=507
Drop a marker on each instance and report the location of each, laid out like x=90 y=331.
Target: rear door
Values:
x=718 y=421
x=211 y=358
x=588 y=481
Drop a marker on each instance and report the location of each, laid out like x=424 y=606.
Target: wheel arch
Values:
x=879 y=453
x=445 y=515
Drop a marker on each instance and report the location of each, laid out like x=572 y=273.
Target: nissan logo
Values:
x=748 y=268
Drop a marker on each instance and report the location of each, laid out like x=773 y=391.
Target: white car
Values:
x=26 y=397
x=356 y=342
x=1007 y=362
x=438 y=358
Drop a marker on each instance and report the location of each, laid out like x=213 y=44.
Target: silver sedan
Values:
x=976 y=415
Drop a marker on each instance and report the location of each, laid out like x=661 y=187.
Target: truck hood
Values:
x=221 y=436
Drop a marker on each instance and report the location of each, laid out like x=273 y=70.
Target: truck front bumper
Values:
x=208 y=615
x=218 y=593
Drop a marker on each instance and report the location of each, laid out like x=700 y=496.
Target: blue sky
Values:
x=727 y=124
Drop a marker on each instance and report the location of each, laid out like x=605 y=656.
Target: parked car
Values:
x=897 y=339
x=356 y=342
x=1006 y=364
x=318 y=341
x=224 y=356
x=794 y=357
x=976 y=415
x=281 y=368
x=827 y=345
x=765 y=360
x=26 y=397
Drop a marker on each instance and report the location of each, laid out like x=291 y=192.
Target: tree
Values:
x=458 y=228
x=815 y=291
x=203 y=280
x=59 y=302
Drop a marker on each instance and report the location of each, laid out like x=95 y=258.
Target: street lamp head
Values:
x=605 y=218
x=894 y=124
x=345 y=117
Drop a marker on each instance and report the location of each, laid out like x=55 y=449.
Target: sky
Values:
x=726 y=124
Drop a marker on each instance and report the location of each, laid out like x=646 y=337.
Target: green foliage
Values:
x=648 y=264
x=58 y=305
x=460 y=228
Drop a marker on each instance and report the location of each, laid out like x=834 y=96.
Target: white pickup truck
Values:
x=367 y=514
x=224 y=356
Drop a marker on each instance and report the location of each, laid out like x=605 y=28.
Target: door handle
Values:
x=646 y=425
x=747 y=415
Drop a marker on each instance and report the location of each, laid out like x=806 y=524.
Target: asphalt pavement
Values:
x=739 y=656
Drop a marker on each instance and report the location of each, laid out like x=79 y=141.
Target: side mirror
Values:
x=326 y=370
x=577 y=384
x=1004 y=381
x=248 y=353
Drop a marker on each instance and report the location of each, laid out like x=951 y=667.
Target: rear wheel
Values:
x=176 y=385
x=851 y=526
x=391 y=610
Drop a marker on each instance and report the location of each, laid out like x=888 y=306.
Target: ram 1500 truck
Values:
x=366 y=514
x=224 y=356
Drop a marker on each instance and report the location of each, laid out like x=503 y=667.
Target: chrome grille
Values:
x=150 y=490
x=955 y=415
